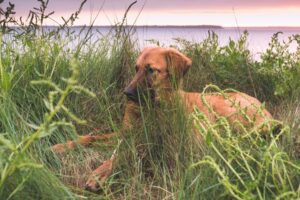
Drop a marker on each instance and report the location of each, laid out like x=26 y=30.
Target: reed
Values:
x=52 y=90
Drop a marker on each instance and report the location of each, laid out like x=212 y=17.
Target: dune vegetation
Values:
x=57 y=83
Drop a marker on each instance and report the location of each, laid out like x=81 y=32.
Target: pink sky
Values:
x=177 y=12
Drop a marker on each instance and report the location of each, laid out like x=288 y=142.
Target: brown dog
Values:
x=159 y=73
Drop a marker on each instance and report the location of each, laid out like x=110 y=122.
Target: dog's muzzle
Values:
x=136 y=95
x=131 y=94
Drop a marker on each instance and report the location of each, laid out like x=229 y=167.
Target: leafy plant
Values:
x=16 y=154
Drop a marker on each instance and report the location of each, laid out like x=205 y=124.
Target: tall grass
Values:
x=160 y=157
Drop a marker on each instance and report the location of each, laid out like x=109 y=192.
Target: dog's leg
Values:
x=99 y=176
x=84 y=140
x=131 y=115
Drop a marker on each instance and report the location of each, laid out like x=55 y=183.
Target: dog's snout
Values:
x=131 y=93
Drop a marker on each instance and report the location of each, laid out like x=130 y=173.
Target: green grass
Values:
x=48 y=89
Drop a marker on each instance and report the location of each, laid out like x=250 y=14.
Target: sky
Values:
x=228 y=13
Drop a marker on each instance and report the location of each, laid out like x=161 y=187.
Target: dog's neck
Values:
x=168 y=95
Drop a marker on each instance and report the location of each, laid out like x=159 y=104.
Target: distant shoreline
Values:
x=169 y=26
x=188 y=26
x=143 y=26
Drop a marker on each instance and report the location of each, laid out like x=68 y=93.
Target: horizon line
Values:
x=170 y=25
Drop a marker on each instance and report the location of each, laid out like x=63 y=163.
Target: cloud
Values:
x=164 y=11
x=157 y=5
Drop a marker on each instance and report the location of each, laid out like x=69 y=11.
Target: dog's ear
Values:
x=178 y=64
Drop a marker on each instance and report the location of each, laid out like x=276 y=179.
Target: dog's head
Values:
x=159 y=71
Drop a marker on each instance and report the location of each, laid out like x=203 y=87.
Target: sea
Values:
x=258 y=39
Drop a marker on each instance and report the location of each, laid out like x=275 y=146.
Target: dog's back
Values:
x=236 y=107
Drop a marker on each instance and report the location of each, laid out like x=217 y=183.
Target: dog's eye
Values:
x=149 y=69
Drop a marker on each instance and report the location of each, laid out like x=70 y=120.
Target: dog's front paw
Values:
x=61 y=148
x=58 y=148
x=99 y=176
x=92 y=185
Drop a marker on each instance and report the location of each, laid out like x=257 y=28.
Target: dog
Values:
x=159 y=75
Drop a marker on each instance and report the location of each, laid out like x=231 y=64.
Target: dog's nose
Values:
x=131 y=93
x=128 y=91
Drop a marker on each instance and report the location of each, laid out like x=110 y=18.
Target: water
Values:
x=258 y=39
